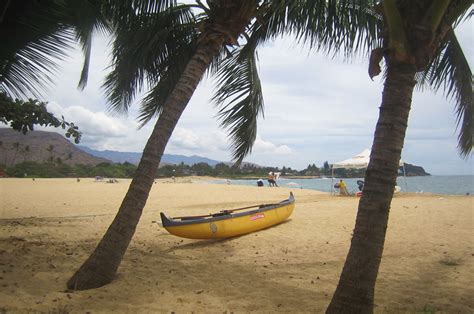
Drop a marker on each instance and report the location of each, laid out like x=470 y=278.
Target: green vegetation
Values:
x=221 y=170
x=24 y=115
x=58 y=168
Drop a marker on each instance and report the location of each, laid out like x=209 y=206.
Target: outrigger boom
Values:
x=223 y=212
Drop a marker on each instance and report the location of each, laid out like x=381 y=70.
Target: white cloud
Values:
x=265 y=147
x=94 y=124
x=186 y=141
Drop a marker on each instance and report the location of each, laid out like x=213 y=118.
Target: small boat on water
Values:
x=229 y=223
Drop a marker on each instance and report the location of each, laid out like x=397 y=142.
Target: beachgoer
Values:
x=270 y=179
x=259 y=182
x=343 y=188
x=360 y=185
x=274 y=179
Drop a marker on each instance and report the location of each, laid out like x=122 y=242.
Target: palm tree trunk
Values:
x=355 y=291
x=14 y=157
x=100 y=268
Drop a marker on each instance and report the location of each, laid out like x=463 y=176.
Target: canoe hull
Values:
x=231 y=225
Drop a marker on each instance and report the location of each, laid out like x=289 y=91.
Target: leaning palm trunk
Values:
x=355 y=291
x=100 y=268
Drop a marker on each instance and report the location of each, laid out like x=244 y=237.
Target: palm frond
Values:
x=450 y=71
x=28 y=58
x=240 y=101
x=30 y=72
x=217 y=61
x=87 y=18
x=124 y=12
x=153 y=103
x=143 y=50
x=271 y=22
x=349 y=26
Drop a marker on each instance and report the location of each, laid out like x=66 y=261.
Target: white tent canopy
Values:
x=358 y=161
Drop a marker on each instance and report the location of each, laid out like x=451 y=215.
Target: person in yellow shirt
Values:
x=343 y=188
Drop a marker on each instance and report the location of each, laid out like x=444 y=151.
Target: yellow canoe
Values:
x=229 y=223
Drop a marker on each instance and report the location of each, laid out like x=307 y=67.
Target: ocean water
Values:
x=457 y=185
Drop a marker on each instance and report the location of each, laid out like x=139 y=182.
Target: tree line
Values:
x=57 y=168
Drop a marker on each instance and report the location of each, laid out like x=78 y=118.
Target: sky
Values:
x=317 y=108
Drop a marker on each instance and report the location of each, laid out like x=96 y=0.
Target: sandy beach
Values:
x=48 y=227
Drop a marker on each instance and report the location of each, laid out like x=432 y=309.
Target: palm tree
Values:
x=3 y=147
x=172 y=60
x=418 y=38
x=69 y=157
x=227 y=19
x=25 y=152
x=16 y=147
x=50 y=150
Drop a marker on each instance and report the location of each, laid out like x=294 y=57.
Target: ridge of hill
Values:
x=134 y=157
x=41 y=146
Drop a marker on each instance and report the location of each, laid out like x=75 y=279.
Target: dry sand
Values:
x=49 y=226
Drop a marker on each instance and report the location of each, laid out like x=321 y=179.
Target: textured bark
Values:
x=101 y=267
x=355 y=290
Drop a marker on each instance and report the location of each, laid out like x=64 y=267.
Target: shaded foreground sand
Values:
x=48 y=227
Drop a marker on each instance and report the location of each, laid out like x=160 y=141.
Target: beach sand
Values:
x=48 y=227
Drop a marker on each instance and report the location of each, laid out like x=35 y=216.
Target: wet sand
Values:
x=48 y=227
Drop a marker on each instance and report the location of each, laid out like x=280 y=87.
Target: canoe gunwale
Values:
x=169 y=222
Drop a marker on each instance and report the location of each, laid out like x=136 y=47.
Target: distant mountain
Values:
x=113 y=156
x=40 y=146
x=134 y=158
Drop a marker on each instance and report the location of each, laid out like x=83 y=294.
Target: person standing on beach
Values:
x=271 y=179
